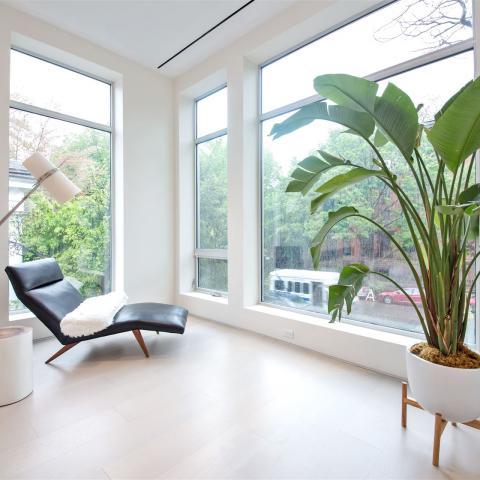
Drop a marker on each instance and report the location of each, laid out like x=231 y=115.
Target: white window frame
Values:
x=384 y=74
x=210 y=253
x=108 y=128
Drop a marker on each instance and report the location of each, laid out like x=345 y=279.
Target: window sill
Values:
x=206 y=296
x=18 y=317
x=320 y=322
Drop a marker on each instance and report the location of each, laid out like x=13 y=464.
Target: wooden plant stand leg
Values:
x=404 y=405
x=64 y=349
x=405 y=402
x=440 y=423
x=141 y=342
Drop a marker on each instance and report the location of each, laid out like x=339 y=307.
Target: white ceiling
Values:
x=149 y=32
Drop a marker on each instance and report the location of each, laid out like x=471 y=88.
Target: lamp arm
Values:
x=35 y=187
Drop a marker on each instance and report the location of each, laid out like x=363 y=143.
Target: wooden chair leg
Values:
x=440 y=425
x=64 y=349
x=141 y=342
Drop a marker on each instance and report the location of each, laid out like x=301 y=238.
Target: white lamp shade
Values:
x=58 y=185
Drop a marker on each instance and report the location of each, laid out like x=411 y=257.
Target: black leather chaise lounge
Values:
x=41 y=287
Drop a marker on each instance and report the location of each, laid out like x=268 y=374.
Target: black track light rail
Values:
x=206 y=33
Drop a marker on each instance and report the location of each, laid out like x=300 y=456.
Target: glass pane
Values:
x=212 y=113
x=213 y=274
x=454 y=72
x=45 y=85
x=212 y=193
x=76 y=233
x=289 y=278
x=401 y=31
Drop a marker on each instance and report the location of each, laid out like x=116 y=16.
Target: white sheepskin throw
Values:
x=93 y=314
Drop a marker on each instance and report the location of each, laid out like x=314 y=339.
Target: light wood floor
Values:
x=218 y=403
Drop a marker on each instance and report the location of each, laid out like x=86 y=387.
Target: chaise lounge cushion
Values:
x=151 y=316
x=144 y=316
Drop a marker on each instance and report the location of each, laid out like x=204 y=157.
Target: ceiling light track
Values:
x=206 y=33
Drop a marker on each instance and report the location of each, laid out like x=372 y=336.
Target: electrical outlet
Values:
x=288 y=333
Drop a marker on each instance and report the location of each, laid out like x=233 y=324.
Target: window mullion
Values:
x=44 y=112
x=211 y=136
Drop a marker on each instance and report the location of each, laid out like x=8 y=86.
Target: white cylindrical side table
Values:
x=16 y=353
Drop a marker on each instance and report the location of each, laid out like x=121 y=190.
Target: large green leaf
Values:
x=397 y=117
x=379 y=139
x=470 y=195
x=469 y=206
x=349 y=284
x=347 y=90
x=356 y=121
x=468 y=203
x=456 y=133
x=337 y=295
x=343 y=180
x=317 y=202
x=310 y=169
x=457 y=210
x=394 y=112
x=332 y=220
x=450 y=101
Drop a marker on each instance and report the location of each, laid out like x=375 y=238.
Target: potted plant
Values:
x=443 y=372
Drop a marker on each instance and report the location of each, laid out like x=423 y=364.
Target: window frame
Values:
x=383 y=74
x=205 y=253
x=107 y=128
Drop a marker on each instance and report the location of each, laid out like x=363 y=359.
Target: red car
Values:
x=398 y=297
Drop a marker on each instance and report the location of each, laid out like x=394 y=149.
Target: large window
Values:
x=211 y=192
x=66 y=116
x=426 y=51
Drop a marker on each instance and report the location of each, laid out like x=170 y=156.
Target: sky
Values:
x=43 y=84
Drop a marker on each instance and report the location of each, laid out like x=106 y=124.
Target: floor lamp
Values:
x=16 y=380
x=50 y=177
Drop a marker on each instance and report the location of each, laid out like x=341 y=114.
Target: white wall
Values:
x=238 y=65
x=143 y=149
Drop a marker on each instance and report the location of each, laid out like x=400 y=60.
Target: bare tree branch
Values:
x=438 y=22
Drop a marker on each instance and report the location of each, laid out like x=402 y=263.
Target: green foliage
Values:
x=358 y=122
x=310 y=169
x=349 y=91
x=456 y=133
x=76 y=233
x=349 y=284
x=345 y=180
x=396 y=116
x=440 y=210
x=393 y=112
x=212 y=193
x=334 y=217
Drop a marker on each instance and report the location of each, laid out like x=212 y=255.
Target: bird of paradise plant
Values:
x=440 y=230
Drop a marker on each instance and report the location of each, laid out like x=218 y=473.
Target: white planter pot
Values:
x=453 y=392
